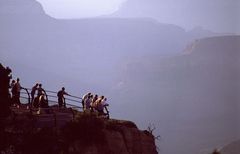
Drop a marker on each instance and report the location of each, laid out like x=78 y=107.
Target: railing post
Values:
x=29 y=99
x=108 y=116
x=46 y=95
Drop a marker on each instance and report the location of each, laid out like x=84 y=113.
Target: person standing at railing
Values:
x=92 y=104
x=16 y=92
x=84 y=98
x=12 y=84
x=61 y=98
x=40 y=90
x=87 y=102
x=33 y=91
x=100 y=105
x=11 y=87
x=40 y=96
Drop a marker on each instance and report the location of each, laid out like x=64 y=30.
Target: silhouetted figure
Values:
x=40 y=90
x=88 y=102
x=12 y=90
x=5 y=99
x=12 y=84
x=33 y=91
x=42 y=101
x=61 y=98
x=40 y=97
x=16 y=92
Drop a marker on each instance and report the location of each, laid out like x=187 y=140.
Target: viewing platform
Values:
x=53 y=115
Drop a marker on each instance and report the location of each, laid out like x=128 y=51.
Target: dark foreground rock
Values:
x=85 y=134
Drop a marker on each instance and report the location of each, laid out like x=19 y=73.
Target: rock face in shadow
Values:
x=85 y=134
x=98 y=135
x=4 y=93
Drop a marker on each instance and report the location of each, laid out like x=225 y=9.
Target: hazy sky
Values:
x=215 y=15
x=80 y=8
x=192 y=98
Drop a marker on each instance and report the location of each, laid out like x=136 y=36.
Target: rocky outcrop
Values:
x=86 y=134
x=118 y=137
x=5 y=75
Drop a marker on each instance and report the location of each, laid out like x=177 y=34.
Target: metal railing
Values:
x=73 y=102
x=52 y=99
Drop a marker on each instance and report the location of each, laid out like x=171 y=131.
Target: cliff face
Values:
x=119 y=137
x=85 y=134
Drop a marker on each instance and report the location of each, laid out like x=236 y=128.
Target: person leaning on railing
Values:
x=33 y=91
x=101 y=104
x=40 y=96
x=84 y=100
x=16 y=88
x=61 y=98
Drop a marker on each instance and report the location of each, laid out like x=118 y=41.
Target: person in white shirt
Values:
x=84 y=98
x=100 y=104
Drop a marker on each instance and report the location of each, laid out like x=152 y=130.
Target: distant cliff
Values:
x=198 y=91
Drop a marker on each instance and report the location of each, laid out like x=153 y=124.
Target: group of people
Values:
x=38 y=101
x=89 y=101
x=94 y=103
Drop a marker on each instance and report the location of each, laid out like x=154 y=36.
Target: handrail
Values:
x=108 y=115
x=49 y=94
x=54 y=92
x=65 y=98
x=46 y=93
x=29 y=100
